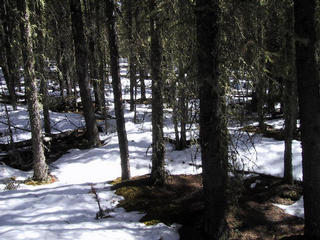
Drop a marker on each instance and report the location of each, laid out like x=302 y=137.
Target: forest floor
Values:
x=68 y=208
x=252 y=211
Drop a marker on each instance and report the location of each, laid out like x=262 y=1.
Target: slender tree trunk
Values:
x=94 y=75
x=141 y=56
x=184 y=117
x=103 y=76
x=9 y=66
x=101 y=56
x=66 y=72
x=260 y=87
x=40 y=66
x=60 y=68
x=93 y=50
x=290 y=93
x=132 y=59
x=158 y=146
x=175 y=114
x=183 y=109
x=39 y=160
x=117 y=91
x=214 y=145
x=82 y=72
x=309 y=99
x=142 y=77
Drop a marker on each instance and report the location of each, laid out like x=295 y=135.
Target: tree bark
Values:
x=117 y=91
x=158 y=146
x=309 y=99
x=132 y=59
x=141 y=57
x=213 y=132
x=81 y=54
x=39 y=160
x=142 y=77
x=9 y=66
x=290 y=95
x=40 y=66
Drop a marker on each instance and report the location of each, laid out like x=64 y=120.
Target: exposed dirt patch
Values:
x=21 y=158
x=270 y=132
x=251 y=215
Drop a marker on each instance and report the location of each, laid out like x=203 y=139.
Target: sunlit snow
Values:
x=67 y=209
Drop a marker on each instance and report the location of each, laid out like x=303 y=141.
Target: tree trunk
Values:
x=290 y=95
x=309 y=99
x=158 y=146
x=142 y=77
x=260 y=86
x=40 y=66
x=117 y=91
x=175 y=115
x=81 y=54
x=9 y=67
x=141 y=57
x=39 y=160
x=183 y=109
x=132 y=58
x=101 y=56
x=214 y=145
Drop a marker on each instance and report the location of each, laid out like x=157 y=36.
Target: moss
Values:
x=151 y=222
x=32 y=182
x=115 y=181
x=129 y=193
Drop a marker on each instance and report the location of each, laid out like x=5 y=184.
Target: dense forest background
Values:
x=214 y=63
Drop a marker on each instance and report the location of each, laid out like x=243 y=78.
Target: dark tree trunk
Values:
x=117 y=91
x=214 y=145
x=40 y=66
x=309 y=99
x=142 y=77
x=60 y=68
x=66 y=73
x=9 y=66
x=81 y=54
x=183 y=109
x=94 y=50
x=260 y=86
x=94 y=74
x=132 y=59
x=39 y=160
x=101 y=56
x=158 y=146
x=141 y=56
x=175 y=115
x=290 y=95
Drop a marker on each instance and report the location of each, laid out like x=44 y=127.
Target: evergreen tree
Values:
x=117 y=91
x=40 y=62
x=309 y=99
x=158 y=146
x=81 y=54
x=39 y=160
x=9 y=65
x=290 y=92
x=213 y=133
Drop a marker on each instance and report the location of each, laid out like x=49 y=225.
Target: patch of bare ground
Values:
x=251 y=215
x=58 y=145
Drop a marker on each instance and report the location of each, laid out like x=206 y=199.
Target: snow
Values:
x=20 y=125
x=295 y=209
x=67 y=209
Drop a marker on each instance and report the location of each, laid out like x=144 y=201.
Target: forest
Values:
x=159 y=119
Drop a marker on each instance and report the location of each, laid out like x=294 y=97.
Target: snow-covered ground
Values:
x=67 y=209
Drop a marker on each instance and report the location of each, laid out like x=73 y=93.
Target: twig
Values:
x=101 y=213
